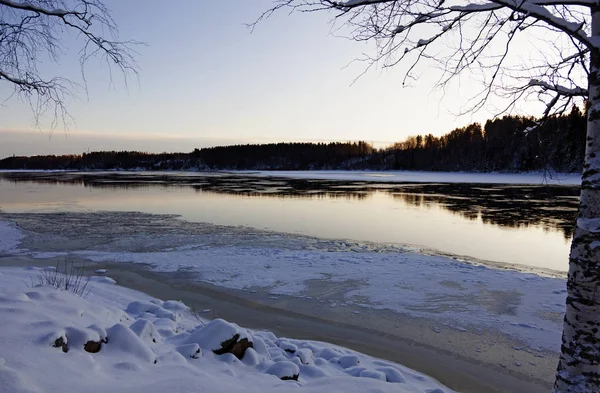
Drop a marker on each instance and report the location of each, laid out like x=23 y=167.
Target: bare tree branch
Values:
x=465 y=37
x=36 y=28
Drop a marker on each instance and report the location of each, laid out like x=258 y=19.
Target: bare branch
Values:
x=559 y=90
x=36 y=28
x=471 y=37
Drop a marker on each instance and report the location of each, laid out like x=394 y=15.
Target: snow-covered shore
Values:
x=142 y=344
x=503 y=317
x=460 y=294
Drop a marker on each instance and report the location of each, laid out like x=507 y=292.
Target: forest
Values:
x=509 y=143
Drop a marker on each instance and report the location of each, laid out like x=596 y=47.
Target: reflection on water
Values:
x=550 y=207
x=540 y=218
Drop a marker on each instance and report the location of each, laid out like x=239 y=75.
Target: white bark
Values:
x=579 y=366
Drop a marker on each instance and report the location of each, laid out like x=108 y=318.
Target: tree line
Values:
x=510 y=143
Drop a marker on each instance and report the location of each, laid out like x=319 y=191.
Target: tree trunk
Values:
x=579 y=366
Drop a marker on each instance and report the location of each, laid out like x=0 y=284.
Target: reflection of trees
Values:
x=219 y=184
x=551 y=207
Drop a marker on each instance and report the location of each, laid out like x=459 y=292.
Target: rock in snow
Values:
x=284 y=371
x=222 y=337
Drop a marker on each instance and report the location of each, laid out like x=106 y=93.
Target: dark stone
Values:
x=60 y=343
x=292 y=378
x=239 y=348
x=235 y=347
x=92 y=346
x=227 y=345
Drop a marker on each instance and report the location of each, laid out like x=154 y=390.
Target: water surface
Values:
x=517 y=224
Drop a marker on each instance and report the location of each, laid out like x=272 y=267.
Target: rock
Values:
x=61 y=343
x=222 y=337
x=234 y=346
x=92 y=346
x=240 y=347
x=227 y=345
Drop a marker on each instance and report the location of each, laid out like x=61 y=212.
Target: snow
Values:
x=288 y=347
x=589 y=224
x=425 y=177
x=9 y=237
x=215 y=333
x=27 y=6
x=284 y=369
x=453 y=294
x=305 y=355
x=103 y=279
x=535 y=9
x=564 y=90
x=354 y=3
x=348 y=361
x=423 y=42
x=420 y=285
x=134 y=356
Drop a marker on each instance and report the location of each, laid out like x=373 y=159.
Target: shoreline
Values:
x=413 y=345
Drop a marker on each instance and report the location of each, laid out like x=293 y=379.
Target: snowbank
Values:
x=116 y=339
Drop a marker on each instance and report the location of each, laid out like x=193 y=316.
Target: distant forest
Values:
x=510 y=143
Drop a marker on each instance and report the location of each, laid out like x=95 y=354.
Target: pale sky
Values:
x=206 y=79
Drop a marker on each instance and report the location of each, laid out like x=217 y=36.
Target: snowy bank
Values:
x=116 y=339
x=456 y=294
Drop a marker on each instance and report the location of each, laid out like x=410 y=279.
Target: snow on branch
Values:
x=473 y=36
x=562 y=90
x=536 y=9
x=529 y=8
x=26 y=6
x=357 y=3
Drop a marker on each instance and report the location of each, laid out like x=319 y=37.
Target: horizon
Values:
x=77 y=147
x=202 y=143
x=206 y=75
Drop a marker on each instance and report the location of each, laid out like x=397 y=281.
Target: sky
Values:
x=206 y=79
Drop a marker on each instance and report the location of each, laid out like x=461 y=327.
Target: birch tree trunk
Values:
x=579 y=366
